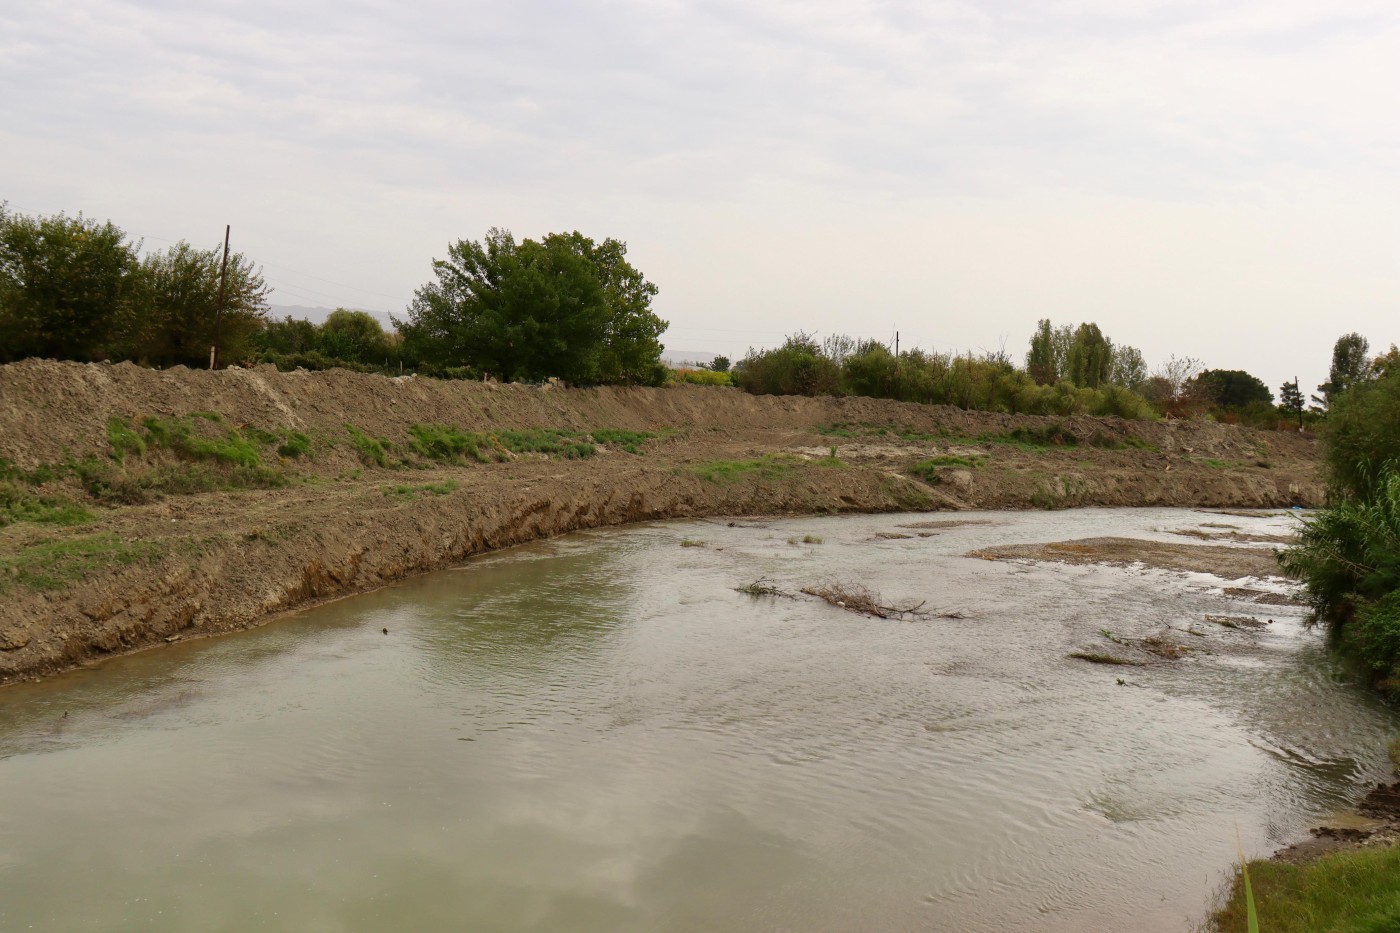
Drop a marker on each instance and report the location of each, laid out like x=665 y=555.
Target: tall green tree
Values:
x=1128 y=368
x=177 y=304
x=1351 y=366
x=1090 y=357
x=560 y=306
x=1041 y=363
x=65 y=285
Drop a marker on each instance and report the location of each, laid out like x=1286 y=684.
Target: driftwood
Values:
x=862 y=599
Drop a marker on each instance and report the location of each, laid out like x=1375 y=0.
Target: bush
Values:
x=1349 y=558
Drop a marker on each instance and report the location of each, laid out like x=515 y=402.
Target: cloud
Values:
x=353 y=140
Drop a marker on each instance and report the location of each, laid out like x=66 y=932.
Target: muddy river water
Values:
x=599 y=733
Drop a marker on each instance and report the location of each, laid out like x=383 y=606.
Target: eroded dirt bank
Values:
x=168 y=549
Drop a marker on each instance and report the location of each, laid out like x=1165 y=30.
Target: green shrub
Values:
x=630 y=441
x=179 y=436
x=443 y=442
x=1348 y=556
x=373 y=451
x=124 y=439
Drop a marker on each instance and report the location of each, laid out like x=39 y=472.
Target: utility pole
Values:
x=219 y=310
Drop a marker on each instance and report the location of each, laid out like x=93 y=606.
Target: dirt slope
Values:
x=185 y=565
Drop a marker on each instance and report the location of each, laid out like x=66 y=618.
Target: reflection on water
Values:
x=598 y=733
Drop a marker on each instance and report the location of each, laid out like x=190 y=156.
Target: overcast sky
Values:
x=1212 y=179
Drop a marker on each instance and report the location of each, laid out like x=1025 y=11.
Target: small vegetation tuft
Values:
x=692 y=542
x=20 y=504
x=630 y=441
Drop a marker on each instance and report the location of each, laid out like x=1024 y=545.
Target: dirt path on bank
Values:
x=184 y=565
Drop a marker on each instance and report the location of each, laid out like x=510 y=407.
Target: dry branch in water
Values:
x=860 y=599
x=763 y=587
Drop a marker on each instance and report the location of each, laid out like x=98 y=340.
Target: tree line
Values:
x=568 y=307
x=1067 y=370
x=563 y=306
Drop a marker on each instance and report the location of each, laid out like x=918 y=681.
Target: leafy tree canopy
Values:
x=560 y=306
x=176 y=307
x=1350 y=367
x=1233 y=388
x=354 y=335
x=1084 y=356
x=64 y=285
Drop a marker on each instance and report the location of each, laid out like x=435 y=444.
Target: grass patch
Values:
x=124 y=439
x=291 y=444
x=550 y=442
x=18 y=504
x=630 y=441
x=805 y=539
x=692 y=542
x=373 y=451
x=53 y=565
x=768 y=467
x=850 y=429
x=1109 y=442
x=209 y=456
x=444 y=442
x=179 y=436
x=412 y=492
x=1349 y=892
x=1042 y=438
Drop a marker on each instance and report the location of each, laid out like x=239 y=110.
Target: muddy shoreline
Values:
x=228 y=559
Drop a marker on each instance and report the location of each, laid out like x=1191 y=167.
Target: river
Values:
x=600 y=733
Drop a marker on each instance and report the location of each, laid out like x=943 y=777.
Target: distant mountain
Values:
x=317 y=315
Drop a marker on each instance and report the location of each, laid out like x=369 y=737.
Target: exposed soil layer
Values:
x=178 y=566
x=1230 y=562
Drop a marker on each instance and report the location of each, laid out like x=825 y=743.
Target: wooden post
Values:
x=219 y=310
